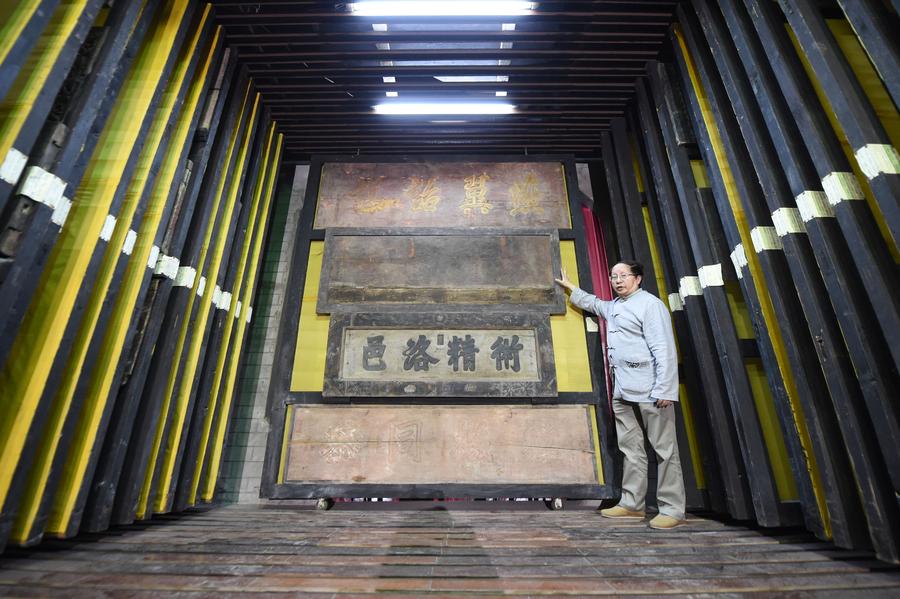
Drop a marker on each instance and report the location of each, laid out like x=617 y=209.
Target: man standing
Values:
x=644 y=365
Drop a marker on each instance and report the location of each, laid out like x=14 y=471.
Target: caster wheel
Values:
x=324 y=504
x=555 y=504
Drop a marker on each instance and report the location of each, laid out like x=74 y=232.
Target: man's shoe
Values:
x=622 y=513
x=663 y=522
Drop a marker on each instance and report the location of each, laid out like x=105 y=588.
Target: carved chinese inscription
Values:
x=438 y=354
x=443 y=194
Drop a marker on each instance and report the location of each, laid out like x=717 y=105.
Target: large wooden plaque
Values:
x=439 y=355
x=403 y=445
x=443 y=194
x=439 y=269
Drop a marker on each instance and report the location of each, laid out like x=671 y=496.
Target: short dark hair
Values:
x=636 y=267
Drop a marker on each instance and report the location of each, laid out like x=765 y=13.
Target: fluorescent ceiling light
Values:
x=379 y=26
x=500 y=94
x=389 y=79
x=444 y=108
x=472 y=78
x=505 y=45
x=456 y=8
x=445 y=122
x=391 y=94
x=383 y=45
x=505 y=27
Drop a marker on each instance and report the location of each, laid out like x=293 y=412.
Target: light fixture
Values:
x=472 y=78
x=383 y=45
x=505 y=27
x=391 y=94
x=379 y=26
x=500 y=94
x=455 y=8
x=444 y=108
x=389 y=79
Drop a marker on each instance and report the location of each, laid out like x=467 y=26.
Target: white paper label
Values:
x=42 y=186
x=765 y=238
x=739 y=259
x=814 y=204
x=841 y=186
x=878 y=159
x=710 y=276
x=788 y=220
x=13 y=165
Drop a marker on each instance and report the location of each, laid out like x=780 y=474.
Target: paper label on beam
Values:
x=842 y=186
x=814 y=204
x=765 y=238
x=878 y=159
x=675 y=302
x=13 y=165
x=788 y=220
x=42 y=186
x=710 y=276
x=689 y=286
x=61 y=212
x=739 y=259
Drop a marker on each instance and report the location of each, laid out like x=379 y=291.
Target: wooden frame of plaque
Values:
x=441 y=269
x=473 y=451
x=283 y=401
x=382 y=355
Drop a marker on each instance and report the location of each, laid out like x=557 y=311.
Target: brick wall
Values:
x=245 y=446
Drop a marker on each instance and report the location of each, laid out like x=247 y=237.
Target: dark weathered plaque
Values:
x=368 y=269
x=492 y=445
x=443 y=194
x=402 y=354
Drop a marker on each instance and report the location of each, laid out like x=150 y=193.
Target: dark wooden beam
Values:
x=712 y=405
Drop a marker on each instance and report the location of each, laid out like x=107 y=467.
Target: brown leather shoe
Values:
x=664 y=522
x=621 y=513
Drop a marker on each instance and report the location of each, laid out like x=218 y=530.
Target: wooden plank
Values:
x=194 y=331
x=632 y=201
x=23 y=26
x=47 y=332
x=217 y=348
x=861 y=125
x=524 y=369
x=149 y=320
x=66 y=159
x=761 y=479
x=210 y=461
x=151 y=391
x=431 y=445
x=33 y=92
x=853 y=217
x=442 y=194
x=432 y=548
x=873 y=24
x=831 y=256
x=624 y=242
x=713 y=403
x=504 y=269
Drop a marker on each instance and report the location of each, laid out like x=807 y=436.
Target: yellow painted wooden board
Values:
x=312 y=334
x=573 y=368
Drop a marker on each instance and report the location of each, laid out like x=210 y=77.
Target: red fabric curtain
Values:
x=602 y=288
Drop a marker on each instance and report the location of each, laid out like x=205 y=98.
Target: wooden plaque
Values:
x=426 y=445
x=401 y=354
x=443 y=194
x=440 y=269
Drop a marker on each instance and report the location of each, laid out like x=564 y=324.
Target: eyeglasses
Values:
x=616 y=278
